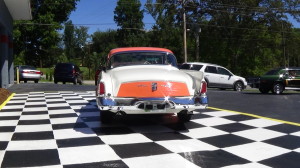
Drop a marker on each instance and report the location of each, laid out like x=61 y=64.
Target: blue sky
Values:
x=99 y=15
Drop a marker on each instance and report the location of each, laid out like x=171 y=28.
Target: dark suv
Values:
x=67 y=72
x=280 y=79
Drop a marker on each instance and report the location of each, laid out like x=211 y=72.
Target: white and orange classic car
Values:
x=146 y=80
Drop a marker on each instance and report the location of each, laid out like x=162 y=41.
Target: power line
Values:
x=189 y=23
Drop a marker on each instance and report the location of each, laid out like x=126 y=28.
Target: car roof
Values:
x=201 y=63
x=117 y=50
x=287 y=68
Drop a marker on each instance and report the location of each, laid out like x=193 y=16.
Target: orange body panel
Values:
x=145 y=89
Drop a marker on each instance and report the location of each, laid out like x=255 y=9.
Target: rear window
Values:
x=28 y=67
x=185 y=66
x=191 y=67
x=141 y=58
x=63 y=67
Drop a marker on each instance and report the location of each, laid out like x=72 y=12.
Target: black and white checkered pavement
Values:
x=63 y=129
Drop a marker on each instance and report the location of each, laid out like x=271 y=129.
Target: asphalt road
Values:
x=283 y=107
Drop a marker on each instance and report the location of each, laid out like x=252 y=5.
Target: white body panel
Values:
x=127 y=74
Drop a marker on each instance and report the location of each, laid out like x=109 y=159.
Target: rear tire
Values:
x=106 y=116
x=25 y=81
x=36 y=81
x=183 y=116
x=75 y=81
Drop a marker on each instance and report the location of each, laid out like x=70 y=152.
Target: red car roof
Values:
x=113 y=51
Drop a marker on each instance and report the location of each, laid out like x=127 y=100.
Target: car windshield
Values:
x=141 y=58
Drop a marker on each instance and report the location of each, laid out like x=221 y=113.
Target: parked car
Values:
x=28 y=73
x=217 y=76
x=146 y=80
x=280 y=79
x=68 y=72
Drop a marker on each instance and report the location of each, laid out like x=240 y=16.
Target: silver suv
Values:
x=217 y=76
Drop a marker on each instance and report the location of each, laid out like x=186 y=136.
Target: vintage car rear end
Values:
x=144 y=80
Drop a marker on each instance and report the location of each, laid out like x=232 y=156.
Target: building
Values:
x=10 y=10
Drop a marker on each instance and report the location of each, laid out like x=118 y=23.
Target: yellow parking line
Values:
x=256 y=116
x=4 y=103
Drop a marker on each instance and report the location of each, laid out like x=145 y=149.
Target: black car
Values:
x=67 y=72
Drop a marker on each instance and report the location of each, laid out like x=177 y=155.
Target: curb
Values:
x=4 y=103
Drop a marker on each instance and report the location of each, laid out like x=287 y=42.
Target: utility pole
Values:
x=286 y=61
x=184 y=32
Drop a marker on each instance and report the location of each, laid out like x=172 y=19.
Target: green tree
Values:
x=38 y=37
x=102 y=43
x=129 y=17
x=81 y=38
x=166 y=33
x=69 y=40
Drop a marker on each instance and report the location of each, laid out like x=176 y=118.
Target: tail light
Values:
x=203 y=88
x=37 y=72
x=101 y=88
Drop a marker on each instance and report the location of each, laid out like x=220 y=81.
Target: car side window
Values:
x=223 y=71
x=294 y=73
x=211 y=69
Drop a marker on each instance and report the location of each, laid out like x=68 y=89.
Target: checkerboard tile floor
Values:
x=63 y=129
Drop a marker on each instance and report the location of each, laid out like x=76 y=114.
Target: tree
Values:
x=166 y=32
x=129 y=17
x=36 y=38
x=69 y=40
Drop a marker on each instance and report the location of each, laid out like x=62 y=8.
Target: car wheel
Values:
x=277 y=88
x=106 y=116
x=75 y=81
x=25 y=81
x=238 y=86
x=183 y=116
x=263 y=90
x=36 y=81
x=55 y=81
x=64 y=82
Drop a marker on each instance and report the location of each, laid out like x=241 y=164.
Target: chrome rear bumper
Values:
x=152 y=105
